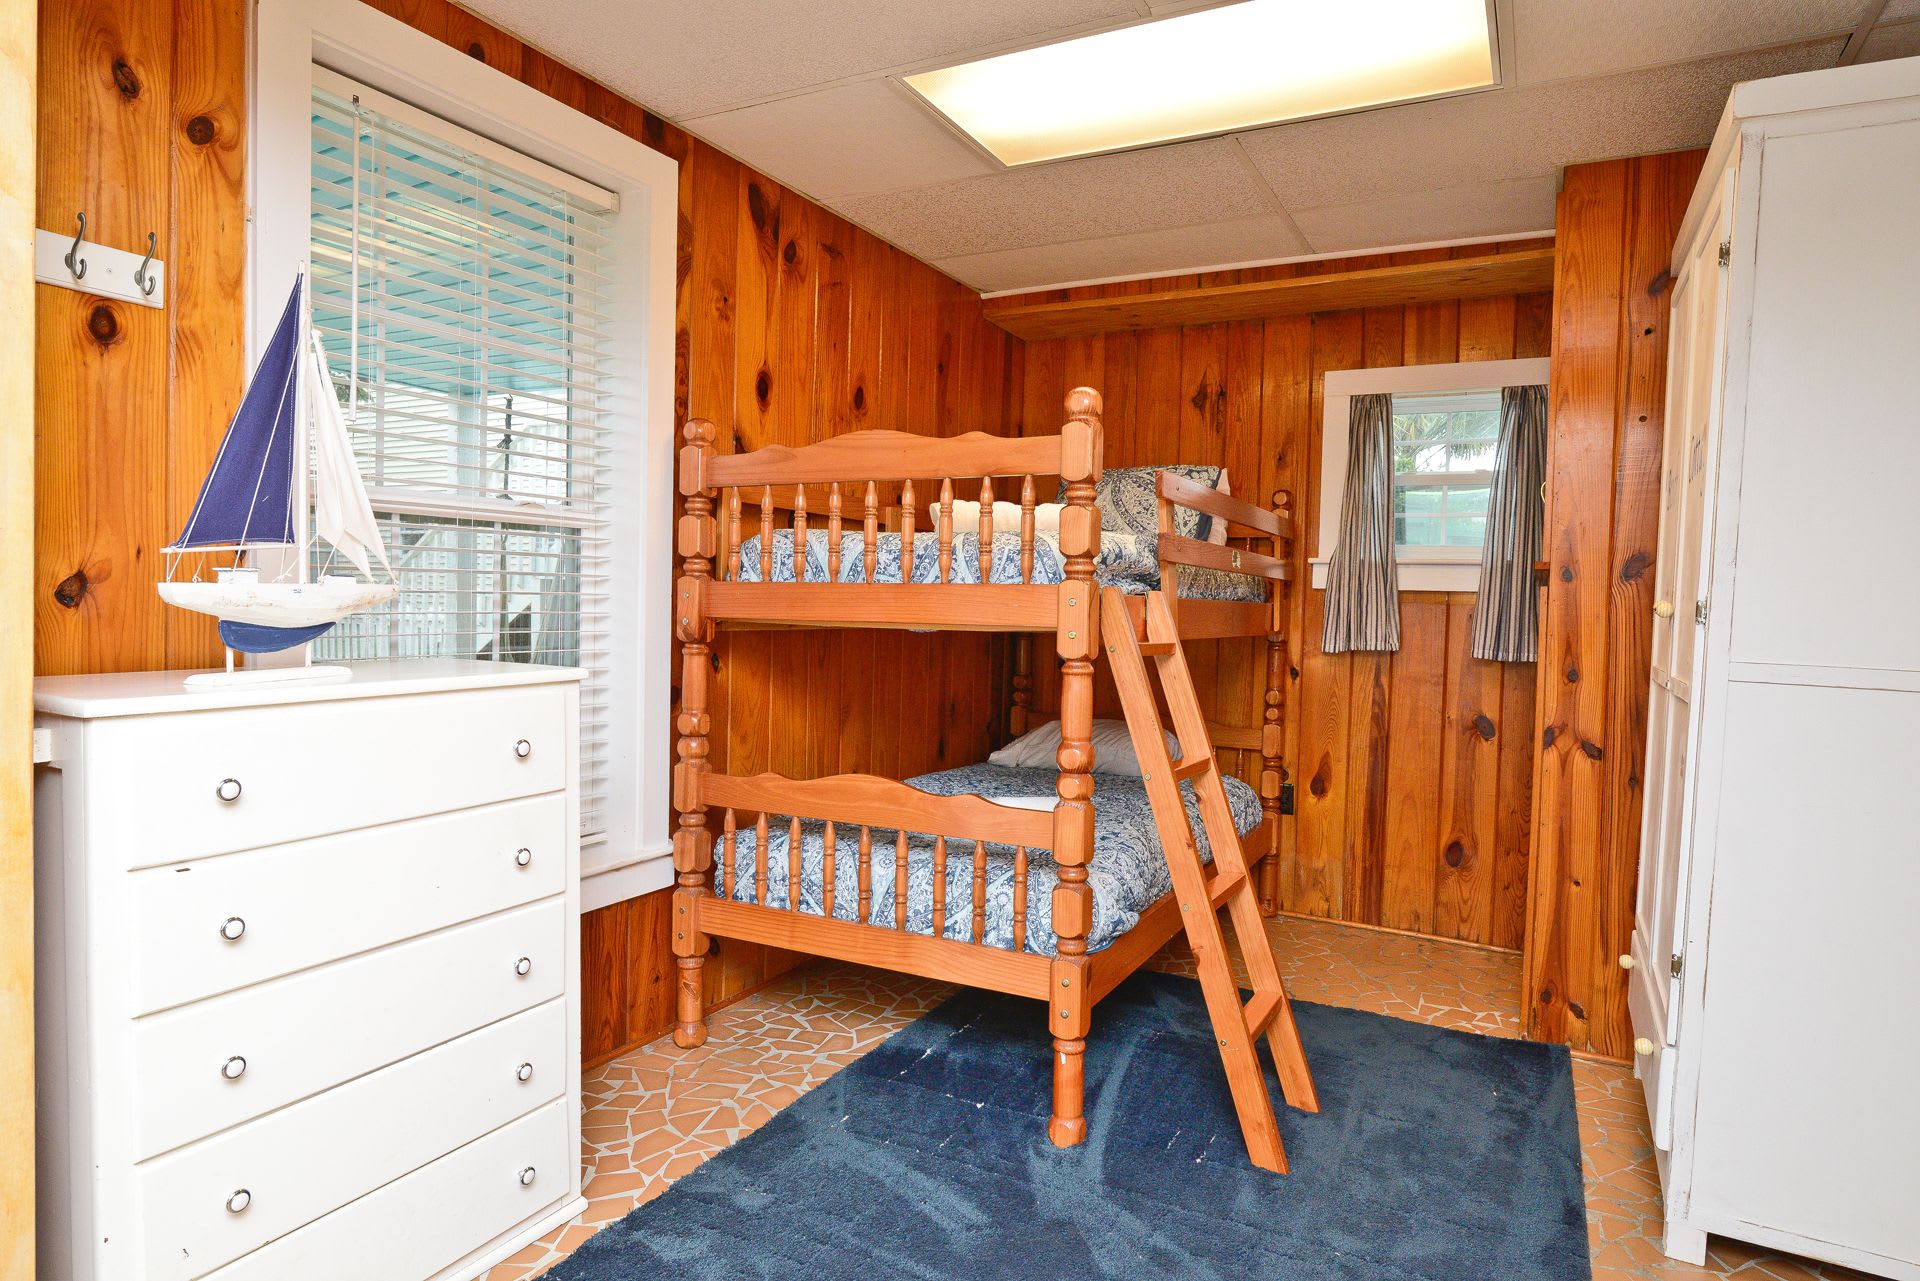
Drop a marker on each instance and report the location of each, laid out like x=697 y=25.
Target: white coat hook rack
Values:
x=70 y=260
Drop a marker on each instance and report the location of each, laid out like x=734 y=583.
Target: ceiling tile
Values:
x=686 y=58
x=1509 y=133
x=1900 y=11
x=846 y=141
x=1901 y=40
x=1557 y=39
x=1139 y=253
x=1457 y=213
x=1174 y=186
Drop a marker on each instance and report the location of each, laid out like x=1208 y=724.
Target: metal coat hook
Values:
x=75 y=263
x=140 y=276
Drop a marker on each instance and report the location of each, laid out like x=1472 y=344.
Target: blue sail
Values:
x=248 y=495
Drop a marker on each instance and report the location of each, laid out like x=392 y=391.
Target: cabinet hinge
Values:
x=1700 y=612
x=1676 y=965
x=1726 y=252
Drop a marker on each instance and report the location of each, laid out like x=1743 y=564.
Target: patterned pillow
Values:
x=1129 y=505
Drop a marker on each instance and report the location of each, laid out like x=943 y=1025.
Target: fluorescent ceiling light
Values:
x=1234 y=67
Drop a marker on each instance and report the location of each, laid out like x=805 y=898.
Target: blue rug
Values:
x=1435 y=1155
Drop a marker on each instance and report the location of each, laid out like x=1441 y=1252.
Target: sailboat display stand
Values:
x=249 y=504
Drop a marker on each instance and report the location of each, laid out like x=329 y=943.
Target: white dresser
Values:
x=1775 y=956
x=307 y=963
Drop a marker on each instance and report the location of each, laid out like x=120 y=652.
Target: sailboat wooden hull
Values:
x=279 y=604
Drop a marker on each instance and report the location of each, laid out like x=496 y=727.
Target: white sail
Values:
x=342 y=513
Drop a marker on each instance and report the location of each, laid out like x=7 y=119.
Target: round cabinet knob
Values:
x=523 y=749
x=524 y=1072
x=229 y=790
x=232 y=928
x=1643 y=1047
x=526 y=1177
x=522 y=856
x=1663 y=608
x=1626 y=962
x=523 y=966
x=239 y=1201
x=234 y=1068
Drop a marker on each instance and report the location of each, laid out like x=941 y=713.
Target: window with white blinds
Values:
x=459 y=290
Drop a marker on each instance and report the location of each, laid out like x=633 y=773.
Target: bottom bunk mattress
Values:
x=1128 y=873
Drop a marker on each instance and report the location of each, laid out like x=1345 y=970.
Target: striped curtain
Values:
x=1506 y=617
x=1363 y=584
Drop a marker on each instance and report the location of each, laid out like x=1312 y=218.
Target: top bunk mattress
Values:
x=1127 y=875
x=1128 y=561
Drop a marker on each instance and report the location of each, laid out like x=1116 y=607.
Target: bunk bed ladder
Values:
x=1202 y=892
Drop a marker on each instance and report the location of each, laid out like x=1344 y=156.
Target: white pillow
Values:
x=1006 y=517
x=1217 y=532
x=1112 y=749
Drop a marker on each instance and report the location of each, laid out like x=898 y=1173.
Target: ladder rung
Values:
x=1193 y=768
x=1261 y=1011
x=1158 y=649
x=1223 y=887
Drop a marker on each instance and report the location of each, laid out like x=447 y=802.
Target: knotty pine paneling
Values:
x=792 y=325
x=1412 y=772
x=1615 y=226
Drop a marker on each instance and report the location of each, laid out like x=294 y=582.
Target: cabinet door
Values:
x=1693 y=377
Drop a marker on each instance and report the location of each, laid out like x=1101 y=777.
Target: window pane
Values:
x=1476 y=425
x=1417 y=531
x=1419 y=502
x=1467 y=500
x=1466 y=531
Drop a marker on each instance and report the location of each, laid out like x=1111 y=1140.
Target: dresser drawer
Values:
x=435 y=1216
x=323 y=767
x=299 y=905
x=208 y=1066
x=285 y=1170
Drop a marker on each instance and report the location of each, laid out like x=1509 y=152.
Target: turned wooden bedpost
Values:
x=1077 y=640
x=692 y=843
x=1019 y=717
x=1272 y=771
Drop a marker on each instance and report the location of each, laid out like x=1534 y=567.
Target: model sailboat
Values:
x=247 y=504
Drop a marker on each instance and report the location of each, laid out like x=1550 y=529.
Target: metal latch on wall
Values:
x=1700 y=612
x=1726 y=252
x=1676 y=965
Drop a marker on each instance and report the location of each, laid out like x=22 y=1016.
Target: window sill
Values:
x=1421 y=574
x=605 y=880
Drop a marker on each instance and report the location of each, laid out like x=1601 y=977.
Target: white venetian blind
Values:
x=459 y=289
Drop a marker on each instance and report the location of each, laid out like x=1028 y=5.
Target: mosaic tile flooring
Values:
x=658 y=1112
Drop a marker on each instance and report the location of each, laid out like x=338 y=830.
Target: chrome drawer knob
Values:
x=524 y=1072
x=523 y=966
x=526 y=1177
x=232 y=928
x=239 y=1201
x=523 y=749
x=234 y=1068
x=522 y=856
x=229 y=790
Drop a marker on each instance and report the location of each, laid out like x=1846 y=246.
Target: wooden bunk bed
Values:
x=851 y=561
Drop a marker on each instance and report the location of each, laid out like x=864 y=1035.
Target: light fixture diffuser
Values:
x=1239 y=66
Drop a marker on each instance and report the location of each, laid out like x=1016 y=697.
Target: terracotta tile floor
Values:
x=658 y=1112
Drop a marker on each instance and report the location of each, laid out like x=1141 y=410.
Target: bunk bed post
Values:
x=692 y=843
x=1077 y=640
x=1273 y=772
x=1018 y=718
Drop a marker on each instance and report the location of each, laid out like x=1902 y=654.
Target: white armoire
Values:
x=1776 y=945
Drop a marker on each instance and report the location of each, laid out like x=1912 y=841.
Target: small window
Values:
x=1443 y=451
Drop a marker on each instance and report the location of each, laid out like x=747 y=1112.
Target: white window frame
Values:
x=1421 y=569
x=291 y=38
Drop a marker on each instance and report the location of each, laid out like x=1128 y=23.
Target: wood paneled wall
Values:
x=142 y=125
x=792 y=325
x=1615 y=226
x=17 y=77
x=1412 y=772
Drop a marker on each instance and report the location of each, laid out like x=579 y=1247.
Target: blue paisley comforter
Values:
x=1127 y=561
x=1128 y=873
